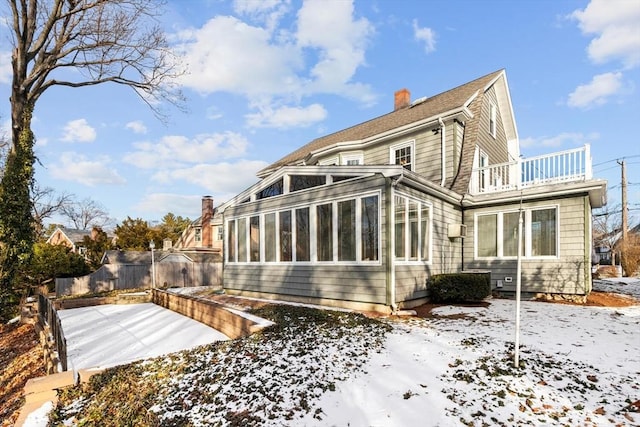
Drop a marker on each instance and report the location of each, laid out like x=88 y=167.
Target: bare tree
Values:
x=86 y=213
x=72 y=43
x=46 y=203
x=607 y=226
x=116 y=41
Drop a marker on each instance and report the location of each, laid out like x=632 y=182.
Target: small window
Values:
x=219 y=234
x=303 y=252
x=492 y=120
x=347 y=230
x=369 y=228
x=274 y=189
x=198 y=234
x=231 y=243
x=270 y=237
x=254 y=239
x=285 y=235
x=324 y=232
x=487 y=227
x=352 y=159
x=302 y=182
x=403 y=155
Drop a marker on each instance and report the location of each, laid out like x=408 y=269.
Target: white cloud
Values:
x=78 y=131
x=287 y=117
x=341 y=42
x=264 y=61
x=267 y=11
x=6 y=72
x=176 y=150
x=426 y=35
x=161 y=203
x=596 y=92
x=615 y=26
x=224 y=177
x=137 y=127
x=76 y=167
x=227 y=54
x=564 y=138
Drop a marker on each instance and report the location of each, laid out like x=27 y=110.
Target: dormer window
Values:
x=492 y=120
x=351 y=159
x=402 y=154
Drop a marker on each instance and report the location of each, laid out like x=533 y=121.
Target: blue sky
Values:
x=266 y=77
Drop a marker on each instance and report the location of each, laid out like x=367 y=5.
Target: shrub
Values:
x=459 y=287
x=630 y=254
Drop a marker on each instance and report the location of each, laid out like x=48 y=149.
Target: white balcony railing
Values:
x=565 y=166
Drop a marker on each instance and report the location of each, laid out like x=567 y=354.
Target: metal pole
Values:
x=516 y=354
x=152 y=246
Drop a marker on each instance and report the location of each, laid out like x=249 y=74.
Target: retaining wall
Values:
x=208 y=312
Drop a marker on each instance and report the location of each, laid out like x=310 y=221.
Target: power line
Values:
x=615 y=160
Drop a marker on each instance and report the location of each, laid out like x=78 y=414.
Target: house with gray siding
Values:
x=363 y=217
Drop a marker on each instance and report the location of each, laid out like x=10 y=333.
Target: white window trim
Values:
x=407 y=241
x=355 y=155
x=392 y=152
x=526 y=234
x=313 y=233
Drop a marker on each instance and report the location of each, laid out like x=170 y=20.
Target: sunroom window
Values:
x=330 y=231
x=412 y=241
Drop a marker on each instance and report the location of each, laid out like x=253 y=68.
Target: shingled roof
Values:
x=433 y=106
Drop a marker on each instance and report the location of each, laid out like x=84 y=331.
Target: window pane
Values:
x=270 y=237
x=254 y=233
x=325 y=232
x=400 y=227
x=413 y=230
x=424 y=231
x=300 y=182
x=302 y=234
x=369 y=220
x=543 y=232
x=347 y=230
x=285 y=235
x=487 y=235
x=403 y=157
x=510 y=234
x=231 y=243
x=242 y=240
x=274 y=189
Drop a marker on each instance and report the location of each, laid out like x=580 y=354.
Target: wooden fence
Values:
x=51 y=327
x=138 y=276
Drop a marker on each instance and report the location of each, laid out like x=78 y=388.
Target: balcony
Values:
x=565 y=166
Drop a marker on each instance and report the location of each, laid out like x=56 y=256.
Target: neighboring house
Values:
x=202 y=238
x=71 y=238
x=365 y=216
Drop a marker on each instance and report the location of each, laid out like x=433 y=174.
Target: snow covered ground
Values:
x=102 y=336
x=579 y=365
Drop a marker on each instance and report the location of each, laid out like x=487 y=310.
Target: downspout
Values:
x=462 y=221
x=390 y=264
x=443 y=145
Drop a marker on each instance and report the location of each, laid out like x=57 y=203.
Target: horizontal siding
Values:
x=349 y=283
x=410 y=279
x=565 y=274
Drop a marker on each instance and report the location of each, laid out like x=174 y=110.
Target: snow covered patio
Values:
x=102 y=336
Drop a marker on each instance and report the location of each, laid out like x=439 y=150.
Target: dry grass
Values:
x=20 y=360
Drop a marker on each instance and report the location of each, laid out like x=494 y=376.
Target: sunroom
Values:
x=355 y=236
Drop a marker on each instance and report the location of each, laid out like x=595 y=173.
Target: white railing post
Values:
x=588 y=171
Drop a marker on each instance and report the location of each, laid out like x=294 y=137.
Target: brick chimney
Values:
x=402 y=99
x=207 y=215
